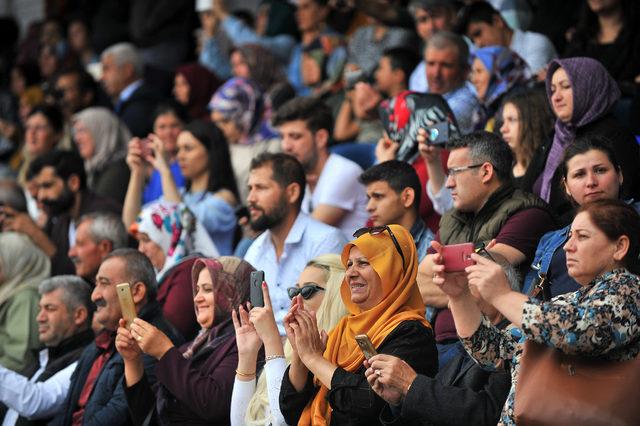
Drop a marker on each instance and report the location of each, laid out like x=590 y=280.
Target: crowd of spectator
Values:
x=346 y=149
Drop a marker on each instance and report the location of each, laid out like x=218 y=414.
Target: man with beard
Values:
x=63 y=193
x=333 y=194
x=291 y=238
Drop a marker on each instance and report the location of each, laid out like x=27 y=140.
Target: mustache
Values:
x=100 y=303
x=74 y=259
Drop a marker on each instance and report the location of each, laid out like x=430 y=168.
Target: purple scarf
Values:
x=594 y=94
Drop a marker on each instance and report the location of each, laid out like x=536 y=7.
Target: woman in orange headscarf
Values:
x=325 y=383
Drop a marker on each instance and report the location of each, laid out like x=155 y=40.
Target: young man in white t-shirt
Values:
x=334 y=195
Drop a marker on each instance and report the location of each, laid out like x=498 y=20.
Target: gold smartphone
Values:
x=127 y=306
x=366 y=346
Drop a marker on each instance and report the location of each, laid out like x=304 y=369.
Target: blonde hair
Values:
x=331 y=310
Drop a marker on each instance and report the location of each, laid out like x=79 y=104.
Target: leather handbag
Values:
x=558 y=389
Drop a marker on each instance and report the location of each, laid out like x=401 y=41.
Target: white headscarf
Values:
x=22 y=265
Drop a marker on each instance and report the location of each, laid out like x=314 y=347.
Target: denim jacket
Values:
x=549 y=243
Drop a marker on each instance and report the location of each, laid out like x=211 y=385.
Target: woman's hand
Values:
x=386 y=149
x=310 y=343
x=135 y=159
x=430 y=153
x=151 y=340
x=390 y=377
x=487 y=279
x=453 y=284
x=265 y=325
x=290 y=319
x=159 y=158
x=126 y=345
x=247 y=338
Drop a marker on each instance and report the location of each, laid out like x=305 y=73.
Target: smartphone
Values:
x=145 y=146
x=366 y=346
x=241 y=211
x=127 y=306
x=457 y=257
x=255 y=296
x=438 y=134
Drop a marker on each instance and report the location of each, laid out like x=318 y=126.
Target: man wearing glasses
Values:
x=486 y=207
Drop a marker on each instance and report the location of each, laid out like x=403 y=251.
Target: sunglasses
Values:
x=377 y=230
x=307 y=290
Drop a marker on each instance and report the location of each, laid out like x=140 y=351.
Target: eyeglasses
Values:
x=377 y=230
x=481 y=248
x=307 y=290
x=453 y=171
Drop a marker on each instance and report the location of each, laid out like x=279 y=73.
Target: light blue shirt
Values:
x=216 y=215
x=463 y=102
x=307 y=239
x=128 y=91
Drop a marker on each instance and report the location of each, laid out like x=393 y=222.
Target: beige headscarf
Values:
x=22 y=265
x=110 y=137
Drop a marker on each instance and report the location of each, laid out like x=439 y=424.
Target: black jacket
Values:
x=137 y=111
x=351 y=398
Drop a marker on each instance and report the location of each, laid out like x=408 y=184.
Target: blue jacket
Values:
x=547 y=247
x=107 y=404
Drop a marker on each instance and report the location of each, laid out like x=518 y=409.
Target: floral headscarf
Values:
x=176 y=230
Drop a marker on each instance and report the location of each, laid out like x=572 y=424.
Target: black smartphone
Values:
x=438 y=134
x=255 y=295
x=241 y=211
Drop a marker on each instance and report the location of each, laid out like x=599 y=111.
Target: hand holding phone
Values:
x=127 y=306
x=255 y=294
x=457 y=257
x=366 y=346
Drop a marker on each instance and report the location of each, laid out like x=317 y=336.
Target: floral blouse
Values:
x=600 y=319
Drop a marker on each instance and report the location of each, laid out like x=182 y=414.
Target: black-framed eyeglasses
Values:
x=307 y=290
x=377 y=230
x=481 y=248
x=453 y=171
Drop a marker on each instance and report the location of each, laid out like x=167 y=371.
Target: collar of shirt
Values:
x=128 y=91
x=417 y=230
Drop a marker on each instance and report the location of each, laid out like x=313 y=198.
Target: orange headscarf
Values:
x=401 y=302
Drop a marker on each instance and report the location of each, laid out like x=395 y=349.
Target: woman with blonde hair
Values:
x=319 y=289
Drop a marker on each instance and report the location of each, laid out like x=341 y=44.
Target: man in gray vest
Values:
x=487 y=207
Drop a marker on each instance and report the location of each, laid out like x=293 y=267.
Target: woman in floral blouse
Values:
x=599 y=319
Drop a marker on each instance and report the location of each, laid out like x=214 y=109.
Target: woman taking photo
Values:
x=582 y=95
x=318 y=290
x=598 y=320
x=590 y=172
x=325 y=383
x=210 y=190
x=195 y=380
x=101 y=139
x=172 y=238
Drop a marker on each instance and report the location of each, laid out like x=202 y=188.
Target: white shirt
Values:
x=338 y=186
x=243 y=392
x=534 y=48
x=31 y=399
x=307 y=239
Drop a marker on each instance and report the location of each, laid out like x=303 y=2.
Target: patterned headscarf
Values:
x=401 y=302
x=110 y=137
x=176 y=230
x=594 y=94
x=240 y=101
x=230 y=279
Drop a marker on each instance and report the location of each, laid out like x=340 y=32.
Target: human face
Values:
x=204 y=300
x=483 y=34
x=84 y=141
x=309 y=15
x=167 y=127
x=384 y=205
x=589 y=252
x=152 y=250
x=480 y=77
x=239 y=66
x=181 y=89
x=114 y=78
x=230 y=129
x=384 y=75
x=104 y=294
x=39 y=135
x=266 y=201
x=317 y=276
x=193 y=157
x=48 y=62
x=444 y=74
x=363 y=281
x=591 y=176
x=562 y=95
x=85 y=254
x=466 y=186
x=428 y=22
x=299 y=142
x=78 y=36
x=510 y=129
x=55 y=322
x=603 y=6
x=52 y=192
x=67 y=87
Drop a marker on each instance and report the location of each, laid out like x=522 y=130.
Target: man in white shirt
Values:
x=333 y=195
x=291 y=238
x=64 y=328
x=486 y=27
